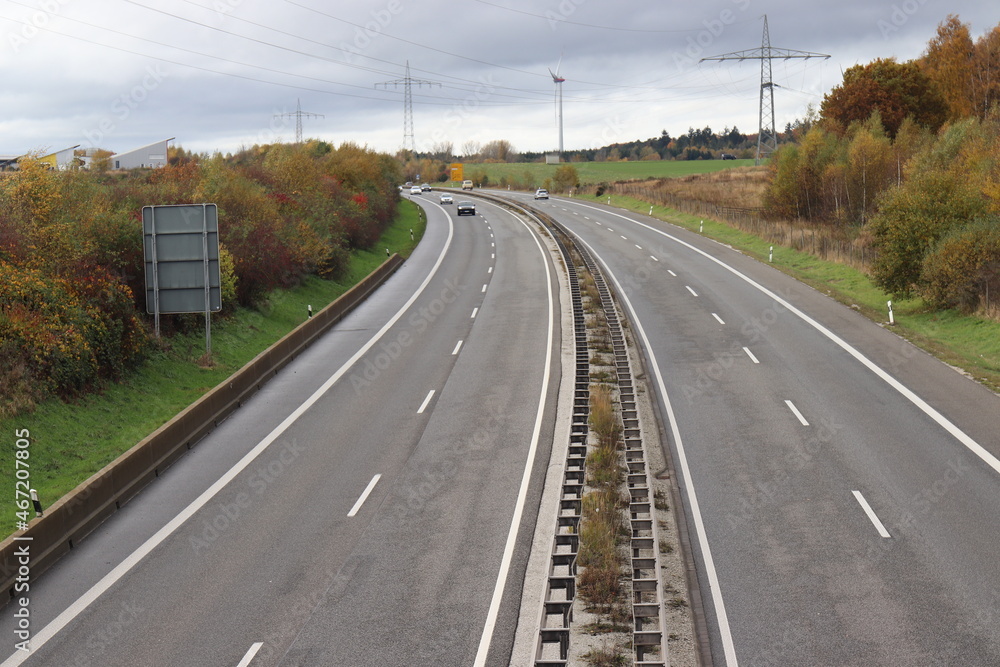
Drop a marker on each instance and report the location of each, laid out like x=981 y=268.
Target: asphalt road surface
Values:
x=369 y=506
x=842 y=486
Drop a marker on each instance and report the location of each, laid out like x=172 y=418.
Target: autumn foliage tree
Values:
x=948 y=63
x=896 y=90
x=908 y=156
x=72 y=293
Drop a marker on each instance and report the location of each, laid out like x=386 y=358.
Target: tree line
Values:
x=72 y=292
x=906 y=155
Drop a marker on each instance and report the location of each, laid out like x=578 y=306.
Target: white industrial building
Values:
x=153 y=155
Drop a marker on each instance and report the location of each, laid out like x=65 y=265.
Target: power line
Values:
x=552 y=16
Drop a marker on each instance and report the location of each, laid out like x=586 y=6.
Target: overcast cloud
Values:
x=214 y=74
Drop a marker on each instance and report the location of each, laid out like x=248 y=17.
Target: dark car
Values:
x=465 y=207
x=727 y=156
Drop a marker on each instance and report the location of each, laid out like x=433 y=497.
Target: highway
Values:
x=371 y=505
x=841 y=486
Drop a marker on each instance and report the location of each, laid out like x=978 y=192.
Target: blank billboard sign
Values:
x=181 y=250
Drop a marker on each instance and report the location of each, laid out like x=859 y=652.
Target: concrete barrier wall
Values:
x=77 y=513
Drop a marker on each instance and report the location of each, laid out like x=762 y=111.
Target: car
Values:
x=425 y=187
x=466 y=207
x=728 y=156
x=541 y=193
x=446 y=199
x=466 y=185
x=415 y=190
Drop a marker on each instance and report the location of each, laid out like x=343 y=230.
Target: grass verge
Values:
x=597 y=172
x=71 y=441
x=967 y=342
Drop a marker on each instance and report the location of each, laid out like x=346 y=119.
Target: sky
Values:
x=221 y=75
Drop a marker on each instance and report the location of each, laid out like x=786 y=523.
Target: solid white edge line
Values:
x=942 y=421
x=423 y=406
x=750 y=354
x=364 y=494
x=508 y=553
x=719 y=319
x=458 y=346
x=871 y=514
x=98 y=589
x=250 y=654
x=795 y=411
x=699 y=523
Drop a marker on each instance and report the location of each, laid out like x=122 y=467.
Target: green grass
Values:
x=72 y=441
x=599 y=172
x=968 y=342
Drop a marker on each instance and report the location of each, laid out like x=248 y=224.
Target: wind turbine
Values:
x=558 y=80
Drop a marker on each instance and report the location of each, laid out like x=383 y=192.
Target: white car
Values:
x=446 y=199
x=541 y=193
x=415 y=190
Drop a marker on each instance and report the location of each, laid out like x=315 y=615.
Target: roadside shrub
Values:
x=71 y=330
x=964 y=267
x=910 y=221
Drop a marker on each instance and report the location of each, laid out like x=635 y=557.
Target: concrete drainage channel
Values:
x=559 y=640
x=648 y=636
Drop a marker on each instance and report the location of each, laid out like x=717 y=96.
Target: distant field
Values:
x=597 y=172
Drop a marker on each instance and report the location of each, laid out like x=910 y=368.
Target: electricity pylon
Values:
x=767 y=137
x=299 y=115
x=408 y=82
